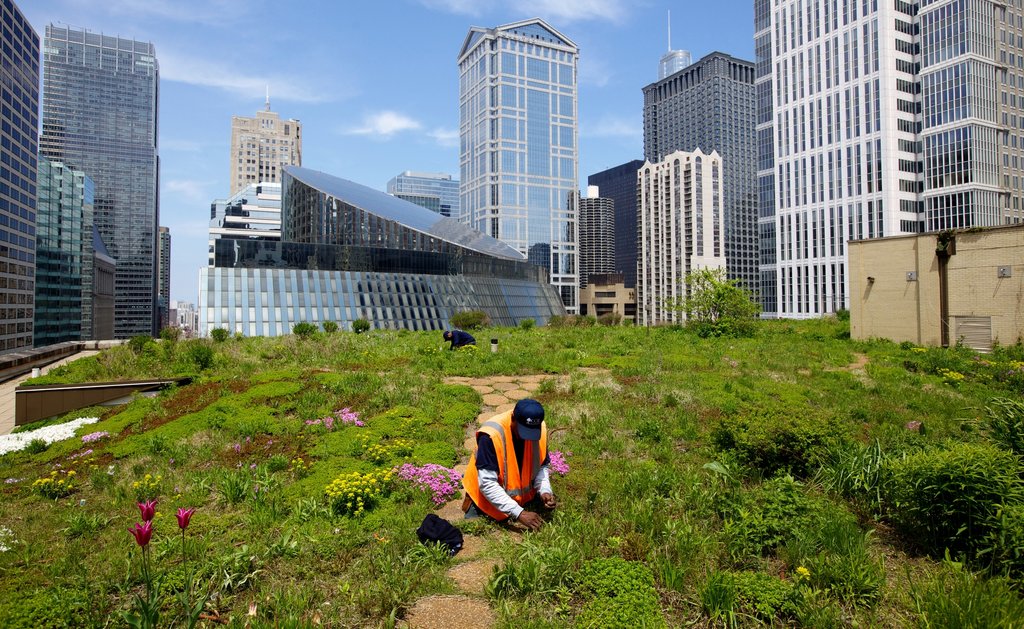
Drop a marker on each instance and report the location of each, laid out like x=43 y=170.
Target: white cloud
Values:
x=199 y=71
x=445 y=137
x=613 y=127
x=386 y=124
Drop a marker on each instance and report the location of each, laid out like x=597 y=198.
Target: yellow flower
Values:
x=803 y=572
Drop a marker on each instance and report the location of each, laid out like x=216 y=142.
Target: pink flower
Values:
x=184 y=515
x=147 y=509
x=142 y=532
x=557 y=462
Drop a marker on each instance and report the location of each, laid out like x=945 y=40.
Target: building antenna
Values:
x=268 y=98
x=669 y=30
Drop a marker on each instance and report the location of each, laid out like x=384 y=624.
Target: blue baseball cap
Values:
x=529 y=415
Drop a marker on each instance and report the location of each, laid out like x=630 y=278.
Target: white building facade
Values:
x=681 y=229
x=518 y=132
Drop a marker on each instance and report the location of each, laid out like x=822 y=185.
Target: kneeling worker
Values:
x=458 y=338
x=510 y=467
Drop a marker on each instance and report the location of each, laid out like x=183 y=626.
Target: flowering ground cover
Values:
x=792 y=478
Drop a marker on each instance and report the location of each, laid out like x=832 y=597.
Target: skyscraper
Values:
x=100 y=97
x=19 y=88
x=597 y=237
x=163 y=292
x=252 y=213
x=517 y=106
x=423 y=188
x=261 y=146
x=710 y=106
x=619 y=184
x=63 y=255
x=681 y=230
x=876 y=120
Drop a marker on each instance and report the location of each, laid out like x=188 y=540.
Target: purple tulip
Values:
x=147 y=509
x=184 y=515
x=142 y=532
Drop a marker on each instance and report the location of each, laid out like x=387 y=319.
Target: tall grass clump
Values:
x=958 y=598
x=947 y=499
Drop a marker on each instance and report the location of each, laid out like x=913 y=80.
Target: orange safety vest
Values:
x=515 y=478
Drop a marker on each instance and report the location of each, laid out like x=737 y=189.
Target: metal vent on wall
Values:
x=974 y=332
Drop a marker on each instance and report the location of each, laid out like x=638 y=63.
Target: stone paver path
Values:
x=471 y=570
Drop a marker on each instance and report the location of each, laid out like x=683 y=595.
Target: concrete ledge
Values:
x=16 y=363
x=33 y=403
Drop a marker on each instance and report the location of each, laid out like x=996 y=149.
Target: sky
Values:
x=374 y=83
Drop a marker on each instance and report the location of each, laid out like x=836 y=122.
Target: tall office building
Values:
x=682 y=229
x=597 y=235
x=876 y=120
x=100 y=96
x=437 y=192
x=19 y=88
x=64 y=256
x=517 y=111
x=163 y=292
x=710 y=106
x=619 y=184
x=261 y=146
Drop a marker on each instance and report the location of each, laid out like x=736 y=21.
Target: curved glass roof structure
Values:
x=389 y=208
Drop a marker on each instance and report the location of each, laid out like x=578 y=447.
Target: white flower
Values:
x=49 y=434
x=6 y=539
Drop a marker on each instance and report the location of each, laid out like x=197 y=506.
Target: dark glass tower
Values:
x=619 y=185
x=19 y=89
x=100 y=97
x=710 y=106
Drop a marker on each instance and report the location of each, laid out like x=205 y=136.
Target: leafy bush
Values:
x=1006 y=543
x=949 y=498
x=765 y=596
x=360 y=325
x=471 y=320
x=571 y=321
x=138 y=343
x=171 y=334
x=610 y=318
x=770 y=439
x=717 y=306
x=36 y=446
x=527 y=324
x=958 y=598
x=198 y=354
x=304 y=329
x=219 y=335
x=330 y=327
x=621 y=594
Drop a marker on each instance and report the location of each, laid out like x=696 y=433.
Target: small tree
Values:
x=360 y=325
x=717 y=306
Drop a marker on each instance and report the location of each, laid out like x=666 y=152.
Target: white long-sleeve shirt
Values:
x=495 y=493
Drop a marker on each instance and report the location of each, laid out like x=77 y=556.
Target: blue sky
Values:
x=373 y=82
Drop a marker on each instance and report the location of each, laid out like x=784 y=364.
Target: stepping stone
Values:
x=449 y=612
x=504 y=407
x=482 y=388
x=517 y=394
x=472 y=546
x=503 y=378
x=452 y=510
x=461 y=468
x=481 y=418
x=469 y=444
x=495 y=399
x=472 y=577
x=504 y=386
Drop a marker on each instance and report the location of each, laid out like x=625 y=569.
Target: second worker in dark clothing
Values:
x=458 y=338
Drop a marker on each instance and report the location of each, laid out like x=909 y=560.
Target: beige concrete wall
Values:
x=895 y=308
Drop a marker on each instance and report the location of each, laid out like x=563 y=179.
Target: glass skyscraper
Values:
x=518 y=130
x=63 y=255
x=19 y=89
x=428 y=190
x=100 y=96
x=710 y=106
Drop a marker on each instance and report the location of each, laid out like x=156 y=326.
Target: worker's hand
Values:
x=548 y=500
x=530 y=520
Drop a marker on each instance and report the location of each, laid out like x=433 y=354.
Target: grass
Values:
x=740 y=476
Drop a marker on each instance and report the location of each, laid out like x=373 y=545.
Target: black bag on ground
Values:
x=440 y=531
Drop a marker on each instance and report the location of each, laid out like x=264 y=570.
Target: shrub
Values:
x=198 y=354
x=471 y=320
x=138 y=343
x=717 y=306
x=949 y=499
x=527 y=324
x=571 y=321
x=170 y=334
x=304 y=329
x=360 y=325
x=36 y=446
x=771 y=439
x=219 y=335
x=330 y=327
x=764 y=596
x=610 y=318
x=1006 y=543
x=621 y=594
